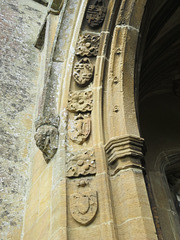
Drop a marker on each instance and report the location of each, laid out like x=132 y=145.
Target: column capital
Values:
x=127 y=146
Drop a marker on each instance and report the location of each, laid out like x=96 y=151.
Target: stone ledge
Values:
x=120 y=147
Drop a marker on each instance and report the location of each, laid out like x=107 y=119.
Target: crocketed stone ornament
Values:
x=47 y=136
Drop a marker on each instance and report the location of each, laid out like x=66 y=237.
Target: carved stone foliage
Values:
x=80 y=101
x=81 y=164
x=88 y=45
x=79 y=128
x=83 y=206
x=96 y=13
x=83 y=72
x=47 y=136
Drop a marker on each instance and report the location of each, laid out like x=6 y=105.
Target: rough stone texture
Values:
x=20 y=22
x=105 y=206
x=110 y=200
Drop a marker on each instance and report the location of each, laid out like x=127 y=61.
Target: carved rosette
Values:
x=96 y=14
x=81 y=164
x=88 y=45
x=47 y=135
x=79 y=128
x=83 y=72
x=80 y=101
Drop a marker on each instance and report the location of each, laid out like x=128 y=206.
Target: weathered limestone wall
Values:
x=20 y=21
x=45 y=216
x=92 y=188
x=87 y=190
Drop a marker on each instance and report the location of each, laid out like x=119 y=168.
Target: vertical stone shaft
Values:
x=105 y=207
x=64 y=87
x=132 y=210
x=124 y=147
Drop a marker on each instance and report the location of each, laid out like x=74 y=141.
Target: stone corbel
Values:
x=124 y=152
x=47 y=135
x=46 y=125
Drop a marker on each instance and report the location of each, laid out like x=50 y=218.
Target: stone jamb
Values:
x=124 y=153
x=165 y=206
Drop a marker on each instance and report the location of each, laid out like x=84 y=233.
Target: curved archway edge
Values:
x=120 y=101
x=124 y=146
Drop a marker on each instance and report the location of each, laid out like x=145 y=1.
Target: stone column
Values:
x=123 y=145
x=130 y=201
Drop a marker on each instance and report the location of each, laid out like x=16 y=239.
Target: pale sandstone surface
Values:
x=92 y=186
x=20 y=22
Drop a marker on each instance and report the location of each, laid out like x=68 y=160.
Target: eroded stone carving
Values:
x=83 y=72
x=83 y=183
x=47 y=136
x=88 y=45
x=81 y=164
x=95 y=14
x=83 y=205
x=118 y=51
x=116 y=109
x=79 y=128
x=80 y=101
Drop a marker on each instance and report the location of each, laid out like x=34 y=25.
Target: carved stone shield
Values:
x=83 y=206
x=83 y=72
x=79 y=128
x=95 y=14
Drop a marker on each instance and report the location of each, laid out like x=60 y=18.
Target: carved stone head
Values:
x=46 y=139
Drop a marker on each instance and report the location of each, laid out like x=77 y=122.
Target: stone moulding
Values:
x=120 y=147
x=47 y=135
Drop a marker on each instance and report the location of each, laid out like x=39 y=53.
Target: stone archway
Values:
x=112 y=198
x=124 y=146
x=158 y=101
